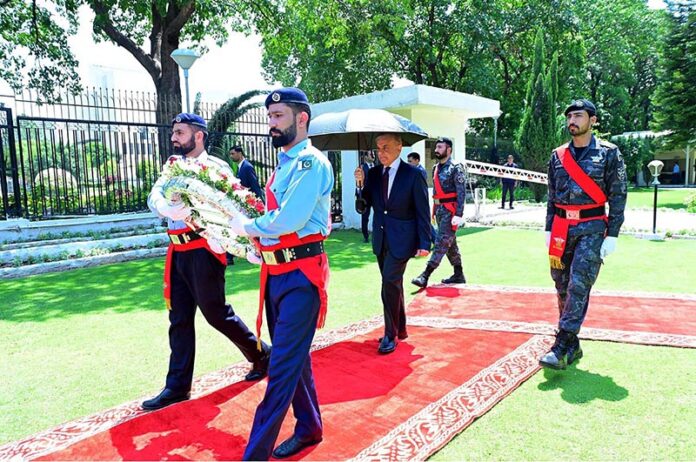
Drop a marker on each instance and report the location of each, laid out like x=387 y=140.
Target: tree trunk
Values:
x=168 y=94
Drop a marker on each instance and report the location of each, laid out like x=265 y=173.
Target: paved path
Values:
x=637 y=220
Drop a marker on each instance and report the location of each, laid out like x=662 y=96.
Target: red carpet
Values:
x=401 y=406
x=666 y=314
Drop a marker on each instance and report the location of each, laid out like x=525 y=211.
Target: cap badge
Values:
x=275 y=97
x=177 y=119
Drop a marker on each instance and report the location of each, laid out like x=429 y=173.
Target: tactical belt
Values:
x=444 y=201
x=277 y=257
x=184 y=238
x=580 y=214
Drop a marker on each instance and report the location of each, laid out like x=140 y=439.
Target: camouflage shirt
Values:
x=602 y=161
x=453 y=179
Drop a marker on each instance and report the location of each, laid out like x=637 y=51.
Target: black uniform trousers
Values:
x=198 y=279
x=582 y=262
x=392 y=271
x=508 y=188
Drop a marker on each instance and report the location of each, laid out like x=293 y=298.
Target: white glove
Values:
x=253 y=258
x=608 y=247
x=176 y=212
x=458 y=221
x=548 y=239
x=237 y=224
x=215 y=246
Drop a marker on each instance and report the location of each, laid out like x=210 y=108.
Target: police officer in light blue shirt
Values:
x=294 y=275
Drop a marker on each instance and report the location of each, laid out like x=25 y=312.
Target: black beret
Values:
x=287 y=95
x=447 y=141
x=191 y=119
x=581 y=105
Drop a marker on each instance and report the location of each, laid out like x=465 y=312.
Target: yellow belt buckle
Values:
x=175 y=239
x=269 y=257
x=573 y=214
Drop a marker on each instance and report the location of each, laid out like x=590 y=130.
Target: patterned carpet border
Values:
x=70 y=433
x=551 y=290
x=587 y=333
x=434 y=426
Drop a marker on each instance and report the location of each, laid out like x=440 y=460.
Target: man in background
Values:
x=449 y=181
x=365 y=218
x=246 y=172
x=509 y=183
x=414 y=159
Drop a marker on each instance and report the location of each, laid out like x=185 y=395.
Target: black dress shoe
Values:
x=164 y=399
x=259 y=368
x=387 y=345
x=292 y=446
x=401 y=336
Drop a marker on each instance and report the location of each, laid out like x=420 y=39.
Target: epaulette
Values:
x=607 y=144
x=218 y=161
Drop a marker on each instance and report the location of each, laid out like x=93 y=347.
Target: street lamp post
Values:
x=655 y=168
x=185 y=59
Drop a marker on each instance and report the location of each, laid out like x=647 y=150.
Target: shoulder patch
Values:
x=460 y=176
x=304 y=163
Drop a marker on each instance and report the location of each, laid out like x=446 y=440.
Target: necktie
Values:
x=385 y=184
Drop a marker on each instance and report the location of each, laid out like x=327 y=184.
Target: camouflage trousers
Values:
x=445 y=240
x=573 y=283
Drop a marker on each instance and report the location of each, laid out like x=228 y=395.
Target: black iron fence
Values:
x=57 y=167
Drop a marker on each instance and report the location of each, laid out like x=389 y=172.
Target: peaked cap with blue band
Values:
x=191 y=119
x=287 y=95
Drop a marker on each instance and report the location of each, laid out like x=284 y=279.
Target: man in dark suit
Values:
x=400 y=230
x=509 y=183
x=365 y=218
x=246 y=172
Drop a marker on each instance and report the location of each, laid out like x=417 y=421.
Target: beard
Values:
x=578 y=130
x=184 y=149
x=286 y=137
x=440 y=156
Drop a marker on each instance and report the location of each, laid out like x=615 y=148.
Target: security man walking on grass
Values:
x=195 y=276
x=449 y=181
x=584 y=176
x=294 y=275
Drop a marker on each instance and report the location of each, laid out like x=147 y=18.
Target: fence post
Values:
x=13 y=170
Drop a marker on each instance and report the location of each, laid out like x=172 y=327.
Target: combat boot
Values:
x=557 y=357
x=574 y=350
x=422 y=280
x=457 y=277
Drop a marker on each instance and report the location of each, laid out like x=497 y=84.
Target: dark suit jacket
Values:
x=247 y=176
x=406 y=223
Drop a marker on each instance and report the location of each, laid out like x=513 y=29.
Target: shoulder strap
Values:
x=579 y=176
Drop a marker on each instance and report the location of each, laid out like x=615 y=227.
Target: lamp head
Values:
x=655 y=167
x=184 y=58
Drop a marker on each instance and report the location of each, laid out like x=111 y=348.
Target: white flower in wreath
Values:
x=192 y=166
x=215 y=175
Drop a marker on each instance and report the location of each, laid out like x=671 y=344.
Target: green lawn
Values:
x=86 y=340
x=670 y=198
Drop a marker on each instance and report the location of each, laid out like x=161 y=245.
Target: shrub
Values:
x=690 y=202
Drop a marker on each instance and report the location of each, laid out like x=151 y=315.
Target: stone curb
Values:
x=65 y=265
